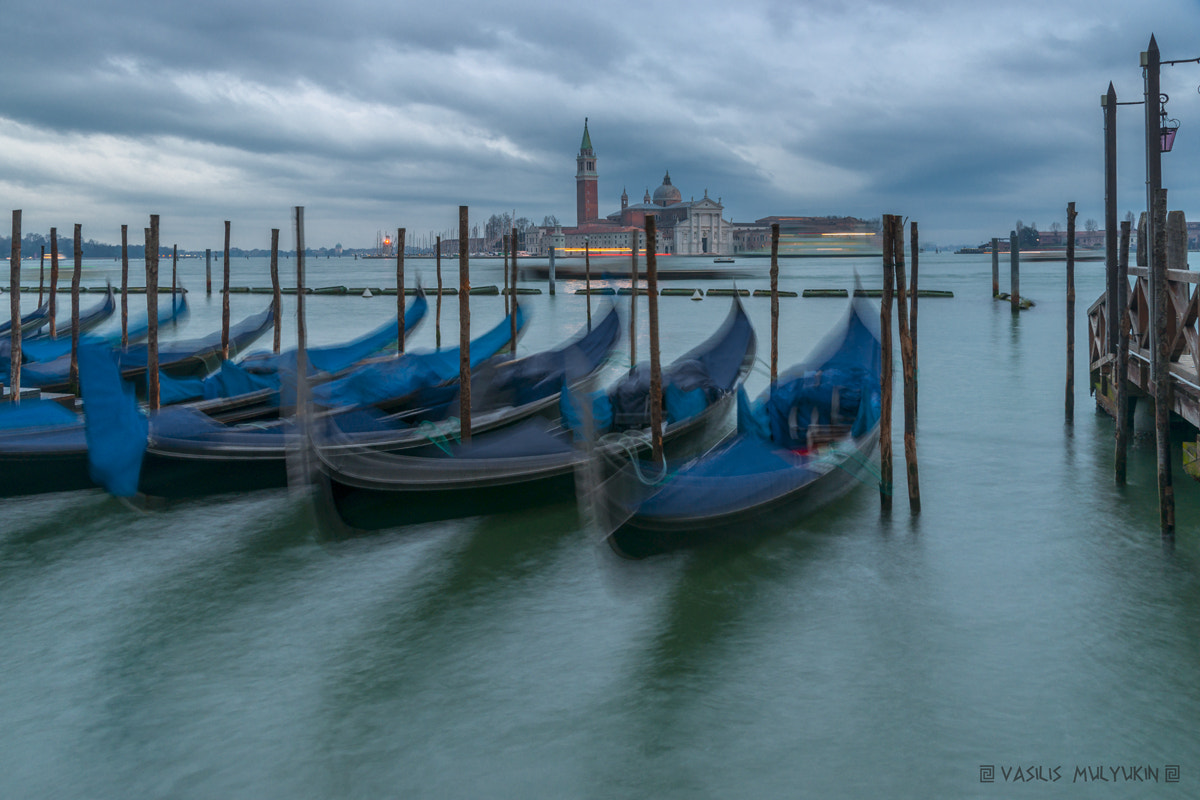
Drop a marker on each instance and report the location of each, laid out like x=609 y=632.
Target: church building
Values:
x=686 y=228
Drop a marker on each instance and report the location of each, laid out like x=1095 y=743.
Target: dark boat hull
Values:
x=643 y=536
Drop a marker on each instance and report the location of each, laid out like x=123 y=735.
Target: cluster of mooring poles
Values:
x=1145 y=327
x=894 y=287
x=152 y=251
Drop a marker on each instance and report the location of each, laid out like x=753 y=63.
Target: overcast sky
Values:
x=963 y=116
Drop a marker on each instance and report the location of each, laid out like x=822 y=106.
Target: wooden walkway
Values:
x=1183 y=332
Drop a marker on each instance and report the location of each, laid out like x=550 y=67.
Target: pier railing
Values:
x=1182 y=332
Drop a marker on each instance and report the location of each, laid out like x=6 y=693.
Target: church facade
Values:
x=686 y=228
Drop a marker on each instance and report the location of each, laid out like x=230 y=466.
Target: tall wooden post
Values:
x=512 y=318
x=174 y=276
x=587 y=278
x=208 y=271
x=1122 y=366
x=301 y=321
x=509 y=291
x=1070 y=390
x=656 y=406
x=124 y=286
x=1151 y=68
x=400 y=234
x=551 y=272
x=41 y=276
x=995 y=267
x=915 y=249
x=774 y=303
x=633 y=293
x=75 y=278
x=885 y=380
x=14 y=307
x=437 y=320
x=464 y=329
x=225 y=300
x=1109 y=102
x=1162 y=383
x=1014 y=260
x=152 y=388
x=53 y=299
x=909 y=372
x=276 y=291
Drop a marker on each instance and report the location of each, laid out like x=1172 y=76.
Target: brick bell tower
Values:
x=587 y=207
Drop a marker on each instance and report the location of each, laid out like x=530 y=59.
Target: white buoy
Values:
x=697 y=295
x=367 y=293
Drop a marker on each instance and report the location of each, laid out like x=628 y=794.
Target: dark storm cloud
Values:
x=371 y=112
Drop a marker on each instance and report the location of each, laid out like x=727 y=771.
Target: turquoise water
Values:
x=1029 y=617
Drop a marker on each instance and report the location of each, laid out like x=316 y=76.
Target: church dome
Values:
x=667 y=195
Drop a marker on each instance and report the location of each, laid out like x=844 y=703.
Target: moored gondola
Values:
x=805 y=442
x=536 y=462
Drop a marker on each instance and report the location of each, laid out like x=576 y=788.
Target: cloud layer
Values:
x=374 y=116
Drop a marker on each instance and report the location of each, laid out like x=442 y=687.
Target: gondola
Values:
x=43 y=348
x=535 y=462
x=179 y=358
x=44 y=446
x=251 y=388
x=88 y=320
x=189 y=454
x=805 y=442
x=30 y=322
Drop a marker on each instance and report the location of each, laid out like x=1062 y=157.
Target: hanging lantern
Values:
x=1167 y=133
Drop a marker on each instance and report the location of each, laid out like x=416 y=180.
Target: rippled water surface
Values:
x=1030 y=616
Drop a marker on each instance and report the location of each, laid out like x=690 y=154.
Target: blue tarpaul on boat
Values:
x=805 y=442
x=44 y=348
x=33 y=335
x=269 y=373
x=187 y=453
x=179 y=358
x=535 y=462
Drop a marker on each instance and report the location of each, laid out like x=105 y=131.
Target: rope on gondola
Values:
x=438 y=436
x=630 y=443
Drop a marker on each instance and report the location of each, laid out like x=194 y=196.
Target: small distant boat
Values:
x=723 y=260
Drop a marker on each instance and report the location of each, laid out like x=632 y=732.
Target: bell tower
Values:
x=587 y=204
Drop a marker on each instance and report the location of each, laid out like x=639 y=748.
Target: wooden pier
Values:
x=1182 y=333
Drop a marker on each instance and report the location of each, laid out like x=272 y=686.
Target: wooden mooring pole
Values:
x=656 y=409
x=509 y=291
x=464 y=328
x=152 y=388
x=633 y=293
x=124 y=286
x=1070 y=389
x=1162 y=381
x=995 y=267
x=774 y=303
x=1014 y=260
x=76 y=276
x=512 y=318
x=915 y=249
x=225 y=300
x=276 y=291
x=208 y=271
x=885 y=379
x=14 y=307
x=587 y=278
x=400 y=235
x=908 y=368
x=437 y=319
x=41 y=276
x=1121 y=374
x=174 y=275
x=53 y=299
